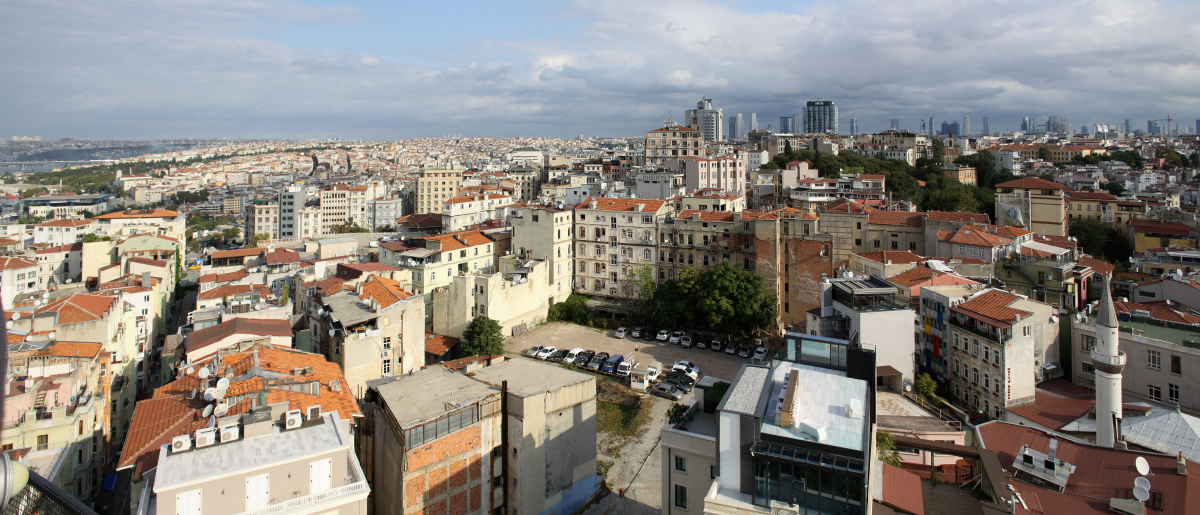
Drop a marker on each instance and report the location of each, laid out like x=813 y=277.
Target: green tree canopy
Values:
x=1043 y=153
x=1101 y=239
x=1114 y=187
x=484 y=337
x=725 y=298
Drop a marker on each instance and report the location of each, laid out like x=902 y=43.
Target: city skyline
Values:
x=289 y=69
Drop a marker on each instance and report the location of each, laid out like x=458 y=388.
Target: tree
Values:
x=1043 y=153
x=29 y=192
x=1100 y=239
x=953 y=198
x=939 y=151
x=1114 y=187
x=230 y=233
x=484 y=337
x=886 y=448
x=285 y=295
x=925 y=386
x=645 y=283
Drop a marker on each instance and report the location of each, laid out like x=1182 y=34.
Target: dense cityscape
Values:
x=715 y=315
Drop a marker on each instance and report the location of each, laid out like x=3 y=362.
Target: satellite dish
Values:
x=191 y=370
x=219 y=393
x=1143 y=466
x=53 y=334
x=222 y=384
x=331 y=331
x=68 y=281
x=208 y=410
x=258 y=306
x=1141 y=494
x=16 y=315
x=221 y=410
x=8 y=324
x=45 y=295
x=203 y=373
x=208 y=394
x=1141 y=482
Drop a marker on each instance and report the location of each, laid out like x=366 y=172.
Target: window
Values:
x=1172 y=392
x=912 y=245
x=974 y=375
x=681 y=463
x=996 y=385
x=681 y=497
x=858 y=242
x=1026 y=331
x=956 y=363
x=1153 y=358
x=387 y=367
x=876 y=243
x=1089 y=369
x=1155 y=393
x=996 y=357
x=975 y=347
x=986 y=351
x=1087 y=342
x=1176 y=365
x=955 y=340
x=387 y=342
x=987 y=381
x=43 y=442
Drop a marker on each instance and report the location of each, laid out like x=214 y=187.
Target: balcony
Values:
x=1106 y=363
x=993 y=334
x=331 y=498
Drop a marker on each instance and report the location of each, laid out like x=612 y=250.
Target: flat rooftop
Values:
x=430 y=392
x=822 y=397
x=198 y=465
x=527 y=377
x=748 y=388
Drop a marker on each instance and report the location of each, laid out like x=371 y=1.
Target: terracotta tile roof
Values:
x=460 y=364
x=1056 y=403
x=421 y=221
x=62 y=222
x=383 y=290
x=1099 y=265
x=894 y=257
x=147 y=235
x=1148 y=226
x=231 y=290
x=721 y=216
x=80 y=307
x=1163 y=313
x=395 y=246
x=238 y=326
x=121 y=215
x=4 y=242
x=148 y=261
x=1008 y=231
x=914 y=276
x=226 y=254
x=902 y=490
x=978 y=235
x=224 y=278
x=437 y=344
x=281 y=257
x=1031 y=183
x=992 y=305
x=945 y=235
x=1090 y=195
x=897 y=218
x=846 y=206
x=622 y=204
x=170 y=413
x=946 y=216
x=71 y=350
x=61 y=248
x=13 y=263
x=968 y=261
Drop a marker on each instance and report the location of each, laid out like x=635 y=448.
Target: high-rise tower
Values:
x=966 y=128
x=753 y=121
x=1109 y=362
x=820 y=117
x=707 y=119
x=986 y=130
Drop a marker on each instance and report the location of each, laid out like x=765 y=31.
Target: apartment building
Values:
x=869 y=311
x=17 y=277
x=57 y=410
x=243 y=413
x=1035 y=203
x=959 y=173
x=335 y=208
x=723 y=173
x=613 y=238
x=262 y=221
x=518 y=296
x=435 y=260
x=1167 y=261
x=793 y=256
x=383 y=212
x=58 y=265
x=1092 y=204
x=797 y=433
x=162 y=222
x=932 y=303
x=463 y=211
x=60 y=232
x=989 y=243
x=673 y=141
x=1149 y=234
x=435 y=186
x=546 y=233
x=436 y=441
x=1002 y=346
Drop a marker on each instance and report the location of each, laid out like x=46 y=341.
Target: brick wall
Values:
x=446 y=476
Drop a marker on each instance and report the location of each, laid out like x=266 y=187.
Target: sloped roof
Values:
x=226 y=254
x=223 y=278
x=1031 y=183
x=902 y=490
x=247 y=326
x=1149 y=226
x=63 y=222
x=621 y=204
x=977 y=235
x=230 y=290
x=121 y=215
x=993 y=304
x=896 y=218
x=847 y=206
x=281 y=256
x=894 y=257
x=13 y=263
x=946 y=216
x=383 y=290
x=1168 y=433
x=79 y=307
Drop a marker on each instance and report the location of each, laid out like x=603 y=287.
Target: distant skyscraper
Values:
x=1153 y=127
x=922 y=126
x=1128 y=126
x=820 y=117
x=741 y=127
x=1066 y=125
x=931 y=129
x=966 y=128
x=951 y=129
x=986 y=131
x=895 y=123
x=707 y=119
x=753 y=121
x=733 y=128
x=854 y=126
x=795 y=123
x=785 y=125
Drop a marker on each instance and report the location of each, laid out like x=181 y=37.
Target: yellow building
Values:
x=1058 y=153
x=1089 y=204
x=1149 y=234
x=963 y=174
x=1035 y=203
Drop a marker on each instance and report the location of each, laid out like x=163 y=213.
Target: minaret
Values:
x=1109 y=362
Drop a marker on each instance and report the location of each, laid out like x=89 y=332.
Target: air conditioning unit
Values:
x=293 y=419
x=206 y=437
x=181 y=443
x=230 y=432
x=314 y=412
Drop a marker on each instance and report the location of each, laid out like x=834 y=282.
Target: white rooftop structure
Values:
x=1169 y=432
x=828 y=406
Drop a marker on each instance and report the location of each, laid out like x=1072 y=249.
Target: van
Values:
x=610 y=365
x=625 y=368
x=572 y=354
x=653 y=370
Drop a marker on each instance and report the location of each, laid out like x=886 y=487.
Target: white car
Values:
x=663 y=335
x=545 y=352
x=625 y=368
x=760 y=352
x=676 y=336
x=533 y=351
x=620 y=332
x=688 y=368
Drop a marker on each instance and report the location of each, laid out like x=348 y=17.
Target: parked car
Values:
x=667 y=391
x=730 y=348
x=743 y=350
x=636 y=332
x=557 y=355
x=653 y=371
x=533 y=351
x=584 y=358
x=619 y=333
x=624 y=368
x=701 y=344
x=760 y=352
x=679 y=380
x=681 y=364
x=649 y=335
x=598 y=361
x=610 y=364
x=574 y=353
x=546 y=352
x=676 y=337
x=663 y=335
x=716 y=345
x=685 y=341
x=691 y=371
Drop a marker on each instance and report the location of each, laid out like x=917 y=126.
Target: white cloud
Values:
x=161 y=68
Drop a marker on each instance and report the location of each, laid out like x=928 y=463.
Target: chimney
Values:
x=696 y=215
x=1180 y=464
x=1053 y=449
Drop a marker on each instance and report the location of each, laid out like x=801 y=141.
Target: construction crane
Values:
x=1168 y=119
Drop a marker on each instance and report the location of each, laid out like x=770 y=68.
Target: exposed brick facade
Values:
x=446 y=476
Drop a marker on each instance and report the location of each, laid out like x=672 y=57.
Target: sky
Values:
x=386 y=70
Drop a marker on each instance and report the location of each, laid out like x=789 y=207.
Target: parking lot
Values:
x=569 y=336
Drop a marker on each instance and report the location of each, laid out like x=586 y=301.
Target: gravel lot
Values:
x=568 y=336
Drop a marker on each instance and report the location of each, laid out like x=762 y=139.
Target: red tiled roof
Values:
x=247 y=326
x=229 y=289
x=1158 y=312
x=897 y=218
x=79 y=307
x=621 y=204
x=385 y=291
x=1149 y=226
x=993 y=305
x=894 y=257
x=223 y=278
x=1098 y=265
x=61 y=248
x=1056 y=403
x=421 y=221
x=281 y=257
x=147 y=261
x=121 y=215
x=71 y=349
x=978 y=235
x=13 y=263
x=63 y=222
x=1090 y=195
x=437 y=344
x=846 y=206
x=226 y=254
x=902 y=490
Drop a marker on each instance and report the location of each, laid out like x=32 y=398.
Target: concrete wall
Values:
x=554 y=435
x=510 y=305
x=891 y=332
x=700 y=451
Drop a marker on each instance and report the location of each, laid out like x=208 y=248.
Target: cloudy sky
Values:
x=132 y=69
